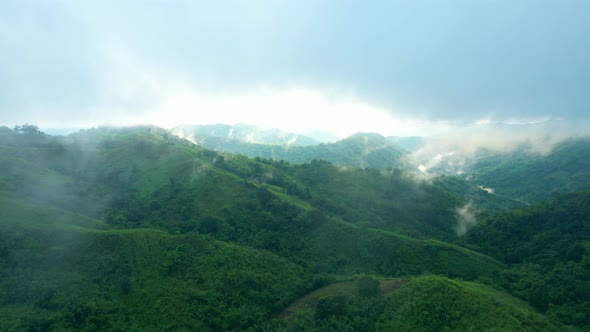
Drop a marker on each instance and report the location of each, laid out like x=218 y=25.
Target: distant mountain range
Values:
x=530 y=176
x=524 y=173
x=365 y=150
x=203 y=134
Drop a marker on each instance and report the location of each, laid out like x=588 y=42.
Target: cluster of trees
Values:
x=362 y=150
x=546 y=247
x=27 y=129
x=119 y=228
x=426 y=303
x=532 y=177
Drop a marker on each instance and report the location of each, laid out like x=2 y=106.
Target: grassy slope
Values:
x=426 y=303
x=64 y=271
x=342 y=248
x=80 y=272
x=360 y=150
x=435 y=303
x=545 y=248
x=484 y=201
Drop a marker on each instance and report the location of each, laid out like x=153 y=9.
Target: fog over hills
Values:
x=113 y=227
x=241 y=132
x=333 y=165
x=523 y=163
x=365 y=150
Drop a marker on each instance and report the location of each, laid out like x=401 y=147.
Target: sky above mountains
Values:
x=393 y=67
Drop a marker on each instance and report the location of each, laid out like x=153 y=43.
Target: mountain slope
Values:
x=133 y=228
x=365 y=150
x=426 y=303
x=62 y=274
x=532 y=177
x=547 y=247
x=205 y=134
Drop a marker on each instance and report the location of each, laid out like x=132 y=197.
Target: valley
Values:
x=133 y=228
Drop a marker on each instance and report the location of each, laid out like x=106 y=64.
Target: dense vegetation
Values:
x=364 y=150
x=61 y=274
x=243 y=133
x=547 y=249
x=425 y=303
x=135 y=229
x=531 y=176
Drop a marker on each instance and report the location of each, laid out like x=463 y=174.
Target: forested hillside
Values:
x=136 y=229
x=364 y=150
x=531 y=176
x=547 y=250
x=206 y=134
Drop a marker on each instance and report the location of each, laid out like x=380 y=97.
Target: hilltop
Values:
x=134 y=228
x=364 y=150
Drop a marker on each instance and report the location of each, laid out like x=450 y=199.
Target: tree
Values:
x=27 y=129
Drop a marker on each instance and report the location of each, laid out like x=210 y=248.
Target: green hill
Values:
x=136 y=229
x=343 y=249
x=546 y=247
x=364 y=150
x=426 y=303
x=486 y=202
x=220 y=133
x=530 y=176
x=59 y=273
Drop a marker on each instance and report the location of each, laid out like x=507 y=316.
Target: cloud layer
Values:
x=427 y=64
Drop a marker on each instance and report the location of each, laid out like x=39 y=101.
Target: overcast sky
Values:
x=394 y=67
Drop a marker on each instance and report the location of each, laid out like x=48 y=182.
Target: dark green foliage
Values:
x=331 y=306
x=531 y=176
x=547 y=248
x=134 y=229
x=84 y=279
x=341 y=248
x=485 y=202
x=420 y=304
x=388 y=201
x=367 y=286
x=438 y=304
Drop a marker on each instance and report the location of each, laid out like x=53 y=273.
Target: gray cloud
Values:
x=438 y=60
x=466 y=219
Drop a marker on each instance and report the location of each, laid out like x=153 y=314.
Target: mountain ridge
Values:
x=365 y=150
x=113 y=228
x=242 y=132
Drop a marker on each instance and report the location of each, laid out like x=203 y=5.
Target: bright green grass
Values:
x=68 y=277
x=343 y=248
x=423 y=303
x=442 y=304
x=16 y=211
x=289 y=198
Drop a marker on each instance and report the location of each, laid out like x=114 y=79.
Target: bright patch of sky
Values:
x=296 y=109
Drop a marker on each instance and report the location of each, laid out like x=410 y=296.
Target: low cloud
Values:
x=486 y=189
x=466 y=219
x=451 y=152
